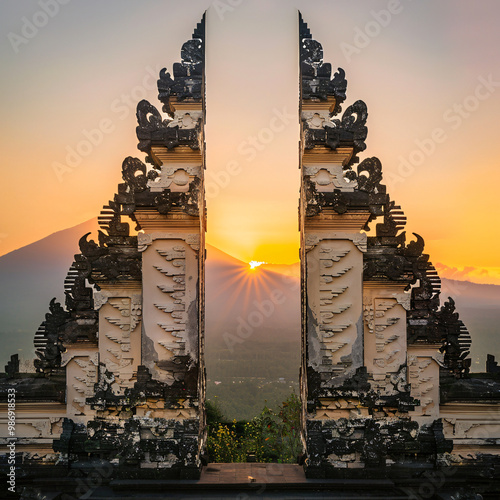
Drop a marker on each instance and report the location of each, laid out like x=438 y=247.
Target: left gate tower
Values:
x=120 y=373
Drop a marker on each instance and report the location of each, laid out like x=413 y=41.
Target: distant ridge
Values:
x=471 y=294
x=58 y=244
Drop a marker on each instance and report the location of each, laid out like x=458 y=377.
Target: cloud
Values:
x=468 y=273
x=454 y=273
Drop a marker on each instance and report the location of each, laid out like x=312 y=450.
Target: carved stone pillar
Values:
x=172 y=297
x=424 y=362
x=82 y=368
x=120 y=311
x=384 y=309
x=334 y=269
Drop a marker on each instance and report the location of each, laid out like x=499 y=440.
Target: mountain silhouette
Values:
x=243 y=304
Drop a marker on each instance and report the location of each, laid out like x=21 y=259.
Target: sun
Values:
x=254 y=264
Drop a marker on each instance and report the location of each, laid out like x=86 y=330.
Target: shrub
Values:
x=272 y=436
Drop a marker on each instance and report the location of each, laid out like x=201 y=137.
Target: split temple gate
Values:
x=384 y=378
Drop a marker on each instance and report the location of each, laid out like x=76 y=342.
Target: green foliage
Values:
x=272 y=436
x=224 y=446
x=214 y=413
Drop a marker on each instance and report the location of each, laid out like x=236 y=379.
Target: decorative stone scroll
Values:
x=146 y=239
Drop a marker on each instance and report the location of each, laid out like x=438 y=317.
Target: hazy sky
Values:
x=429 y=72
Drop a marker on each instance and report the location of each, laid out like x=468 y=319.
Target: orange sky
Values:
x=428 y=73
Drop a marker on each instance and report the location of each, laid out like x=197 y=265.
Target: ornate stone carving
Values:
x=359 y=239
x=99 y=300
x=81 y=372
x=144 y=240
x=349 y=131
x=404 y=299
x=49 y=354
x=176 y=178
x=371 y=182
x=315 y=74
x=331 y=177
x=333 y=308
x=152 y=130
x=134 y=174
x=187 y=83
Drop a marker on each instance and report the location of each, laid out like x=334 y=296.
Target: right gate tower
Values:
x=384 y=375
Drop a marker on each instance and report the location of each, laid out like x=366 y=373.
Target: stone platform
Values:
x=261 y=473
x=241 y=481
